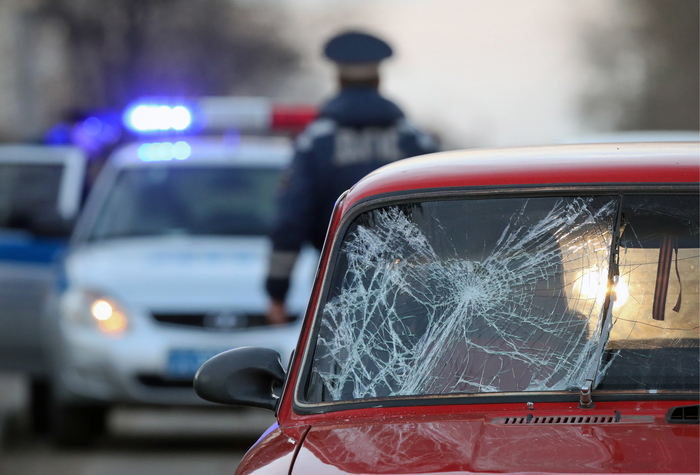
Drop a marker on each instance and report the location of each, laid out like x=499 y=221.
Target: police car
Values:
x=165 y=269
x=40 y=193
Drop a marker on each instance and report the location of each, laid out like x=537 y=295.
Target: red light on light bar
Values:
x=293 y=118
x=215 y=114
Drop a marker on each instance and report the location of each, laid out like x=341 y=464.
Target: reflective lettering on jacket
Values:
x=354 y=146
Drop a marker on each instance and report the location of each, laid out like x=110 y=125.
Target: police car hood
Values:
x=184 y=272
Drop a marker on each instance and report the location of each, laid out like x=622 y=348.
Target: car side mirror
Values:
x=244 y=376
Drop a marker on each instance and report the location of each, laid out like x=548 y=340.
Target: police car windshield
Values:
x=188 y=201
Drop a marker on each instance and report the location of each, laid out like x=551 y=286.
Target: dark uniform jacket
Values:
x=356 y=132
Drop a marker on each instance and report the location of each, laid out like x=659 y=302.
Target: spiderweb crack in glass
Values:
x=411 y=319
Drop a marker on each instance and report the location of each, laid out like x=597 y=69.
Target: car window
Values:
x=188 y=200
x=27 y=189
x=653 y=342
x=506 y=295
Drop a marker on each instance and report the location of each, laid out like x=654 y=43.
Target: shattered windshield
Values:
x=511 y=294
x=188 y=200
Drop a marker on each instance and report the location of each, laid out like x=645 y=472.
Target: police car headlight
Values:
x=94 y=309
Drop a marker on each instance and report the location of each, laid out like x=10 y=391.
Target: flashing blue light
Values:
x=153 y=118
x=164 y=151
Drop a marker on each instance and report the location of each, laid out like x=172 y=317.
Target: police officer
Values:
x=356 y=131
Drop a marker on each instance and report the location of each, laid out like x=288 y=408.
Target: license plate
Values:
x=184 y=363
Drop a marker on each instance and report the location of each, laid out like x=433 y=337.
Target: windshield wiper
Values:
x=586 y=398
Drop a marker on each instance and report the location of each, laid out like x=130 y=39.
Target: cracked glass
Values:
x=504 y=295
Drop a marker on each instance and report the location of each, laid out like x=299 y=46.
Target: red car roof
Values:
x=562 y=164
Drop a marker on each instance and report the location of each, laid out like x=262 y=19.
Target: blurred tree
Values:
x=123 y=49
x=647 y=77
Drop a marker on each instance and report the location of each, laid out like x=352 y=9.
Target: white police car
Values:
x=165 y=269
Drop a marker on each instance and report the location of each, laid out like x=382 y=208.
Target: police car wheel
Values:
x=39 y=405
x=76 y=426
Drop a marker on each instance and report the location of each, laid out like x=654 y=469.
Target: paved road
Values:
x=155 y=442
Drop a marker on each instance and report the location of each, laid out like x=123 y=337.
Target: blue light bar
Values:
x=157 y=118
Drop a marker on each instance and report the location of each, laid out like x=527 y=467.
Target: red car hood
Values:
x=458 y=445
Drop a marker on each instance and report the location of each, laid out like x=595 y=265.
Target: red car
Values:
x=528 y=310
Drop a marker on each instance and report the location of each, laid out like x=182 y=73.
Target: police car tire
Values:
x=76 y=425
x=39 y=405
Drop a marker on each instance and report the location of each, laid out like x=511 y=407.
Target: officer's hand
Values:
x=277 y=313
